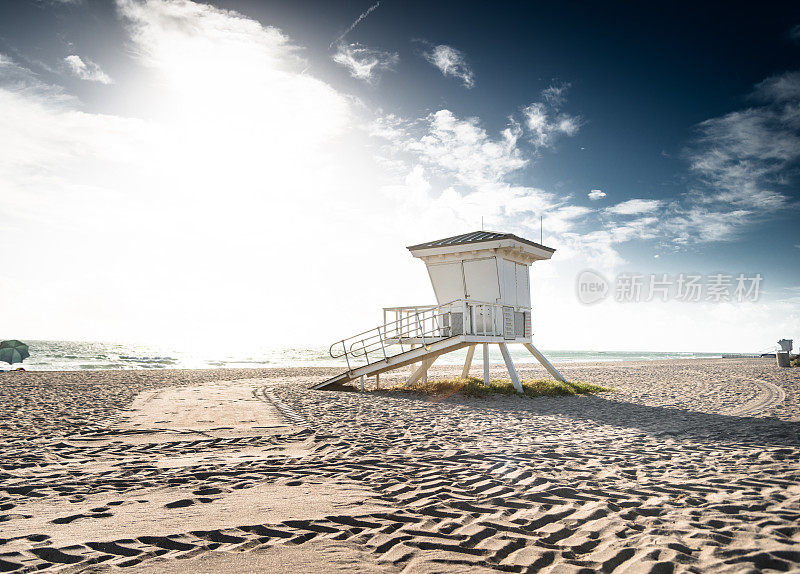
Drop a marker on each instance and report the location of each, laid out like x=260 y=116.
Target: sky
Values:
x=249 y=173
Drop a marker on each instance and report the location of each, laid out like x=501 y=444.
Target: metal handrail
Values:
x=406 y=307
x=431 y=308
x=428 y=323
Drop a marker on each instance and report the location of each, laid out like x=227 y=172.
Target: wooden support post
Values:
x=512 y=371
x=362 y=382
x=545 y=363
x=486 y=363
x=377 y=382
x=468 y=362
x=420 y=372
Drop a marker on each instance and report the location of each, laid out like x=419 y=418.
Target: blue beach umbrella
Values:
x=13 y=351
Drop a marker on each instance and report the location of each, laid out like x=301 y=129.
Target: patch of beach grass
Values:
x=474 y=387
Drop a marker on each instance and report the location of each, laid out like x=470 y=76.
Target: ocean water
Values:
x=81 y=355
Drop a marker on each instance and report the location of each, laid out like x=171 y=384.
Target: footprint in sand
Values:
x=182 y=503
x=14 y=516
x=74 y=517
x=38 y=537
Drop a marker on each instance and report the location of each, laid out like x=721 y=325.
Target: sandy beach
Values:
x=688 y=466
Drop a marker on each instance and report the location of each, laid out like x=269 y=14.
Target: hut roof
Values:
x=475 y=237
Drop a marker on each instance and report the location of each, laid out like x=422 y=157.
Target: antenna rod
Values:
x=541 y=229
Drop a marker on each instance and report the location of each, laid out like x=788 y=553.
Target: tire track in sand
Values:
x=266 y=395
x=770 y=395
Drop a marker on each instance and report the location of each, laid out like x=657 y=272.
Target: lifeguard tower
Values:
x=482 y=285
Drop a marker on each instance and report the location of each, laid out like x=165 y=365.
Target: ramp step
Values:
x=338 y=379
x=396 y=361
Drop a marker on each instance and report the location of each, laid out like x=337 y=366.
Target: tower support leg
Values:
x=421 y=372
x=468 y=362
x=512 y=371
x=486 y=363
x=545 y=363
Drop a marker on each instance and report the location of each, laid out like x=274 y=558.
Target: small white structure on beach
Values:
x=494 y=270
x=481 y=281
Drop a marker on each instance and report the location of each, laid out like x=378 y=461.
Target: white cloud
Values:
x=596 y=194
x=555 y=95
x=635 y=207
x=22 y=80
x=450 y=173
x=464 y=149
x=239 y=151
x=44 y=132
x=639 y=228
x=87 y=70
x=562 y=219
x=451 y=62
x=365 y=63
x=243 y=165
x=567 y=125
x=743 y=161
x=545 y=121
x=743 y=155
x=740 y=155
x=250 y=75
x=456 y=147
x=696 y=223
x=389 y=127
x=781 y=88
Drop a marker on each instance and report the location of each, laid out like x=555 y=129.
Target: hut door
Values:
x=480 y=280
x=523 y=285
x=448 y=283
x=482 y=285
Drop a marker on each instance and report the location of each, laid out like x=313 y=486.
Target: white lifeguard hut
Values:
x=481 y=281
